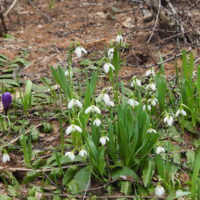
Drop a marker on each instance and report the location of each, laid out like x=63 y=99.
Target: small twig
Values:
x=155 y=25
x=22 y=169
x=10 y=8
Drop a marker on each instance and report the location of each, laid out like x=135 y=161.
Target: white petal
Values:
x=69 y=130
x=138 y=82
x=88 y=110
x=99 y=98
x=148 y=73
x=82 y=153
x=110 y=53
x=84 y=51
x=70 y=155
x=78 y=52
x=97 y=122
x=119 y=39
x=112 y=104
x=106 y=68
x=183 y=112
x=97 y=110
x=159 y=191
x=106 y=99
x=6 y=158
x=78 y=103
x=160 y=150
x=153 y=86
x=71 y=103
x=79 y=129
x=111 y=66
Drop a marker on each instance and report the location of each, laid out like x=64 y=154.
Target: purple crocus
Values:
x=6 y=100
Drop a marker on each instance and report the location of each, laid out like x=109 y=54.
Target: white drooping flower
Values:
x=181 y=193
x=159 y=191
x=133 y=102
x=103 y=140
x=97 y=122
x=119 y=39
x=136 y=81
x=107 y=101
x=71 y=155
x=153 y=101
x=180 y=111
x=74 y=102
x=5 y=158
x=93 y=109
x=107 y=67
x=83 y=153
x=150 y=72
x=168 y=120
x=151 y=86
x=67 y=73
x=160 y=150
x=79 y=51
x=73 y=128
x=151 y=130
x=148 y=107
x=110 y=53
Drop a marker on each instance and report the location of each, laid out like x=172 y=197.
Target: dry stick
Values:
x=154 y=28
x=22 y=169
x=10 y=8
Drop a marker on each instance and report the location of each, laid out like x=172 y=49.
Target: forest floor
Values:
x=44 y=32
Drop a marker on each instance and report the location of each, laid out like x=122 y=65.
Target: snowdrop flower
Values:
x=160 y=150
x=151 y=86
x=136 y=82
x=110 y=53
x=119 y=38
x=153 y=101
x=74 y=102
x=73 y=128
x=159 y=191
x=148 y=107
x=97 y=122
x=103 y=140
x=133 y=102
x=150 y=72
x=168 y=120
x=180 y=111
x=71 y=155
x=151 y=130
x=181 y=193
x=83 y=153
x=79 y=51
x=67 y=73
x=107 y=67
x=107 y=100
x=93 y=109
x=5 y=158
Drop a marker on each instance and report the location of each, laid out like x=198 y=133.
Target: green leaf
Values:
x=80 y=181
x=195 y=175
x=148 y=172
x=69 y=174
x=125 y=171
x=38 y=163
x=30 y=176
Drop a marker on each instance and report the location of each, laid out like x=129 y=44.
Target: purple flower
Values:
x=6 y=100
